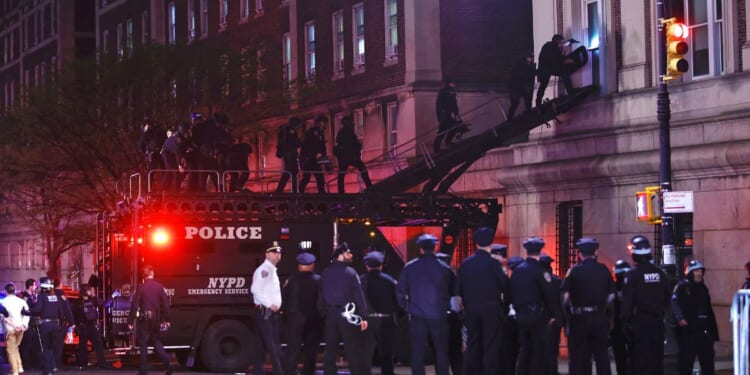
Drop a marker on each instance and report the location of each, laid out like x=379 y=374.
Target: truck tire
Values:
x=227 y=347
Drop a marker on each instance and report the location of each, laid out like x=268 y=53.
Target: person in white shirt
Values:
x=266 y=290
x=15 y=324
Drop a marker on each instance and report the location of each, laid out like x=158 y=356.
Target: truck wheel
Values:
x=227 y=347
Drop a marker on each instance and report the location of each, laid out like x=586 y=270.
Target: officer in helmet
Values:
x=645 y=298
x=696 y=328
x=588 y=291
x=50 y=312
x=621 y=346
x=746 y=285
x=533 y=298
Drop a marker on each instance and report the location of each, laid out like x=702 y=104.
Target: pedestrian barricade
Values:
x=740 y=318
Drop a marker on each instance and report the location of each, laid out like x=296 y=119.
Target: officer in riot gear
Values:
x=150 y=308
x=588 y=292
x=348 y=150
x=177 y=155
x=425 y=287
x=64 y=324
x=151 y=143
x=235 y=161
x=645 y=298
x=696 y=328
x=287 y=144
x=304 y=323
x=118 y=308
x=380 y=292
x=481 y=284
x=343 y=303
x=86 y=312
x=533 y=298
x=313 y=149
x=621 y=346
x=446 y=109
x=552 y=339
x=211 y=142
x=50 y=312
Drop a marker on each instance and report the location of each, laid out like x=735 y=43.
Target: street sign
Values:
x=678 y=202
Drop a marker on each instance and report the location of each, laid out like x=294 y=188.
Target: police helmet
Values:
x=45 y=283
x=587 y=245
x=639 y=245
x=427 y=242
x=533 y=245
x=621 y=266
x=694 y=265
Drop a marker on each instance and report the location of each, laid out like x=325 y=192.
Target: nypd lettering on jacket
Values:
x=224 y=233
x=651 y=277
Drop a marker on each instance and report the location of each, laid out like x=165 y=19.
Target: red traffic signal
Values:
x=677 y=46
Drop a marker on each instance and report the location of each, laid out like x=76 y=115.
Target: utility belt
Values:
x=580 y=310
x=265 y=312
x=41 y=321
x=146 y=315
x=378 y=315
x=534 y=308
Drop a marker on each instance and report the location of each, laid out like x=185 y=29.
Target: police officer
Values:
x=644 y=300
x=266 y=291
x=151 y=143
x=86 y=312
x=177 y=156
x=287 y=144
x=345 y=309
x=533 y=297
x=348 y=150
x=151 y=307
x=617 y=338
x=696 y=328
x=552 y=344
x=481 y=284
x=236 y=162
x=446 y=109
x=380 y=293
x=313 y=148
x=425 y=287
x=510 y=345
x=30 y=341
x=588 y=291
x=50 y=312
x=304 y=323
x=553 y=62
x=118 y=308
x=64 y=324
x=746 y=285
x=521 y=83
x=455 y=326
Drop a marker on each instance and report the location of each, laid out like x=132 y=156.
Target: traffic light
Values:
x=647 y=205
x=677 y=47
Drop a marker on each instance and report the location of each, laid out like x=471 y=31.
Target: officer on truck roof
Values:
x=266 y=291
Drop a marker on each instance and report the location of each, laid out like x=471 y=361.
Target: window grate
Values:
x=569 y=227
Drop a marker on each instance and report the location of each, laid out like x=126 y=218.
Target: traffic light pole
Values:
x=663 y=114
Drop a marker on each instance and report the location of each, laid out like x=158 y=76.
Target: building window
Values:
x=258 y=7
x=592 y=30
x=172 y=23
x=204 y=18
x=338 y=42
x=120 y=51
x=704 y=18
x=391 y=29
x=192 y=21
x=145 y=28
x=392 y=128
x=286 y=57
x=129 y=36
x=105 y=41
x=261 y=154
x=358 y=34
x=310 y=50
x=569 y=229
x=260 y=78
x=244 y=8
x=223 y=13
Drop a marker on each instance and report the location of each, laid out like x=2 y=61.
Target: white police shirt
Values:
x=266 y=288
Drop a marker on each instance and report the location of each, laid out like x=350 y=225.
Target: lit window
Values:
x=172 y=23
x=391 y=29
x=204 y=17
x=286 y=58
x=129 y=35
x=258 y=7
x=358 y=34
x=310 y=50
x=338 y=42
x=245 y=8
x=192 y=22
x=592 y=30
x=705 y=19
x=392 y=116
x=223 y=13
x=145 y=28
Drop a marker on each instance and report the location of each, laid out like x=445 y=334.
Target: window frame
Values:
x=359 y=58
x=286 y=58
x=339 y=44
x=204 y=18
x=310 y=63
x=391 y=141
x=714 y=25
x=172 y=23
x=391 y=46
x=192 y=21
x=223 y=14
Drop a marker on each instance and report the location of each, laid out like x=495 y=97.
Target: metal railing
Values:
x=740 y=318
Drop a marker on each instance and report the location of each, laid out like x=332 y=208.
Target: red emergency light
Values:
x=160 y=237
